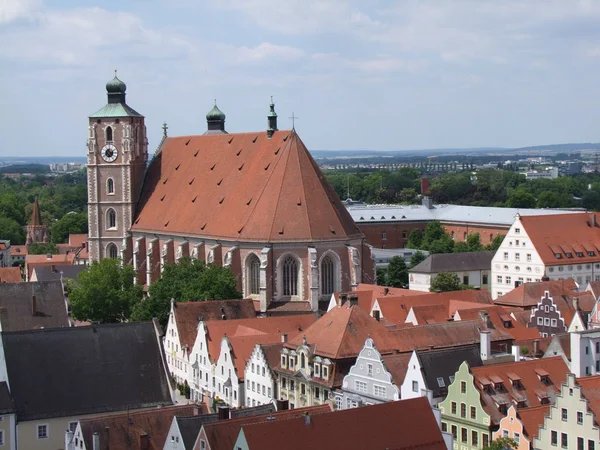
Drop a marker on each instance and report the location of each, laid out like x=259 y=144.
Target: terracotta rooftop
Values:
x=10 y=275
x=222 y=435
x=397 y=365
x=78 y=240
x=368 y=293
x=500 y=319
x=532 y=419
x=574 y=237
x=533 y=388
x=32 y=261
x=18 y=250
x=379 y=429
x=189 y=314
x=241 y=187
x=529 y=294
x=276 y=325
x=590 y=387
x=138 y=430
x=342 y=331
x=444 y=335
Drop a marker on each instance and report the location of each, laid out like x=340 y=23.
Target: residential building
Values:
x=389 y=226
x=182 y=329
x=77 y=245
x=555 y=246
x=5 y=257
x=315 y=362
x=249 y=212
x=585 y=352
x=472 y=268
x=222 y=435
x=379 y=425
x=34 y=261
x=560 y=345
x=184 y=430
x=57 y=272
x=8 y=418
x=572 y=420
x=18 y=253
x=131 y=353
x=521 y=426
x=29 y=306
x=132 y=430
x=366 y=295
x=222 y=347
x=10 y=275
x=261 y=380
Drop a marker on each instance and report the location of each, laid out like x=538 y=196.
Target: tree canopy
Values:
x=105 y=292
x=72 y=223
x=397 y=272
x=186 y=280
x=42 y=249
x=502 y=443
x=446 y=282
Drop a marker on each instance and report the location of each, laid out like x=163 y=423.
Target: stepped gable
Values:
x=241 y=187
x=533 y=418
x=530 y=294
x=341 y=333
x=575 y=238
x=590 y=388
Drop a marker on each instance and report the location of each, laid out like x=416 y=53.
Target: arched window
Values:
x=110 y=186
x=327 y=276
x=253 y=274
x=290 y=276
x=112 y=251
x=109 y=134
x=111 y=219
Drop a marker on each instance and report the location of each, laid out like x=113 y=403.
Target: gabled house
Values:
x=572 y=421
x=219 y=354
x=74 y=373
x=315 y=362
x=379 y=429
x=132 y=430
x=261 y=379
x=10 y=275
x=521 y=426
x=57 y=272
x=182 y=328
x=34 y=261
x=222 y=435
x=29 y=306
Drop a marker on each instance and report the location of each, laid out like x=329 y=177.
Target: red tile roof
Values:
x=590 y=387
x=18 y=250
x=532 y=419
x=188 y=315
x=127 y=430
x=342 y=331
x=529 y=294
x=223 y=434
x=562 y=234
x=78 y=240
x=217 y=329
x=397 y=366
x=379 y=425
x=32 y=261
x=10 y=275
x=242 y=187
x=533 y=388
x=501 y=320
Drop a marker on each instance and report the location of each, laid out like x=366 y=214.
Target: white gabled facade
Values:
x=176 y=353
x=516 y=261
x=260 y=382
x=202 y=368
x=414 y=384
x=227 y=385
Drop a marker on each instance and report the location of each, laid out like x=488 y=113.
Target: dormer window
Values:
x=580 y=254
x=569 y=255
x=590 y=253
x=325 y=372
x=317 y=370
x=557 y=255
x=283 y=361
x=291 y=363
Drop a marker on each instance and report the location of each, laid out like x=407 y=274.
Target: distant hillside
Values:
x=25 y=168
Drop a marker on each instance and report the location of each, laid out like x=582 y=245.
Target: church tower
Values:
x=36 y=231
x=117 y=157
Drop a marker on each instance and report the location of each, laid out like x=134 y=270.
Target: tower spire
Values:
x=271 y=119
x=36 y=217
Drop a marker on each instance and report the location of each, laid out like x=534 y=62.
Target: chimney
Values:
x=144 y=441
x=593 y=220
x=69 y=441
x=53 y=268
x=353 y=300
x=49 y=256
x=306 y=418
x=33 y=305
x=386 y=291
x=272 y=120
x=343 y=298
x=284 y=338
x=427 y=202
x=196 y=411
x=96 y=441
x=485 y=344
x=576 y=303
x=536 y=347
x=424 y=185
x=223 y=412
x=516 y=351
x=107 y=433
x=282 y=405
x=485 y=317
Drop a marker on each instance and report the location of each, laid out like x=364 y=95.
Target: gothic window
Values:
x=112 y=251
x=110 y=186
x=111 y=219
x=290 y=276
x=109 y=134
x=327 y=275
x=253 y=274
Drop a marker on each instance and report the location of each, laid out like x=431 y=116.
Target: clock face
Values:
x=109 y=153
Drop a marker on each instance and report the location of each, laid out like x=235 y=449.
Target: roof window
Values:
x=441 y=382
x=580 y=254
x=558 y=255
x=569 y=255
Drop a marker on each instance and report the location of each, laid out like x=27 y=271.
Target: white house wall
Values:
x=414 y=374
x=260 y=383
x=225 y=370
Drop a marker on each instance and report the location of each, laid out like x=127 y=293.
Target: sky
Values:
x=377 y=74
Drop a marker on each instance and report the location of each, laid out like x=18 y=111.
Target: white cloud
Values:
x=13 y=10
x=262 y=52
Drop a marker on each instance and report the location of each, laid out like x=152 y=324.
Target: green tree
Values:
x=42 y=249
x=520 y=198
x=591 y=200
x=445 y=282
x=502 y=443
x=397 y=272
x=415 y=239
x=433 y=231
x=72 y=223
x=381 y=277
x=474 y=242
x=186 y=280
x=443 y=245
x=550 y=199
x=496 y=242
x=105 y=292
x=12 y=231
x=417 y=258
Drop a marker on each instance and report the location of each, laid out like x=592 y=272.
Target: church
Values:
x=256 y=203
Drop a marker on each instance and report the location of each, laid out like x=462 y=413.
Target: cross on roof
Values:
x=165 y=128
x=293 y=117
